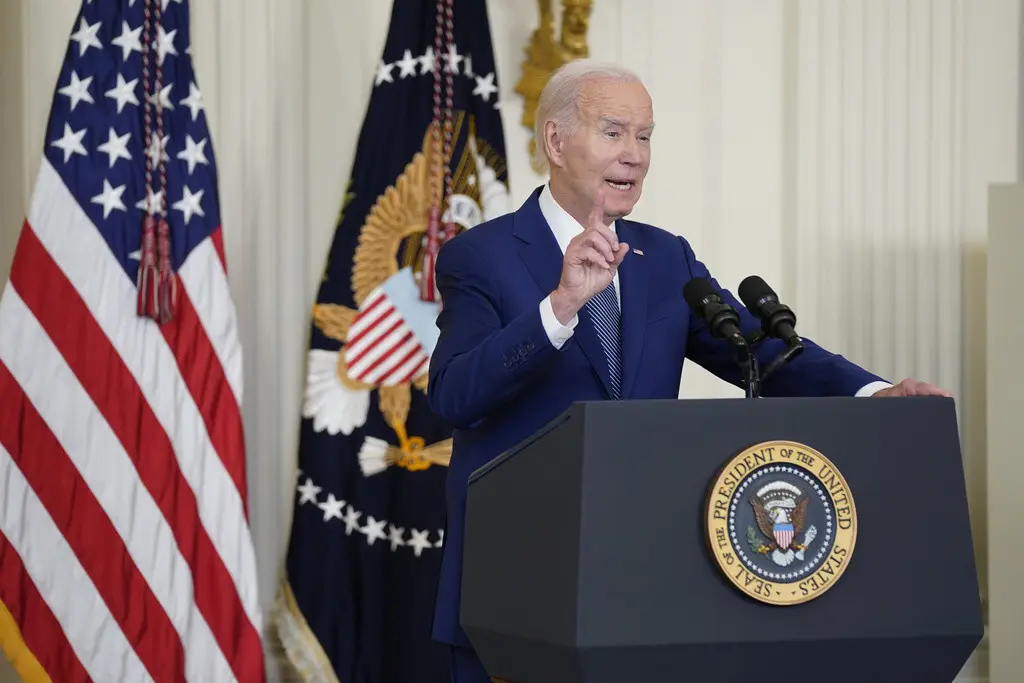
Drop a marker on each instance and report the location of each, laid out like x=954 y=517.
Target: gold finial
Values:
x=544 y=55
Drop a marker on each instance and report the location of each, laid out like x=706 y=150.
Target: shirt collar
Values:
x=563 y=225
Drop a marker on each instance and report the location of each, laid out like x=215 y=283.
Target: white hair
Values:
x=559 y=101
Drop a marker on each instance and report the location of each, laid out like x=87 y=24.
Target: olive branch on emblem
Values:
x=755 y=542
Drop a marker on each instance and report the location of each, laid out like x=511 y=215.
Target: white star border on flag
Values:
x=412 y=66
x=334 y=510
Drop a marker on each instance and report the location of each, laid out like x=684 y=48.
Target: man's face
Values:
x=610 y=149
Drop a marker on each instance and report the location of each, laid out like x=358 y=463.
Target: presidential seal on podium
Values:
x=781 y=522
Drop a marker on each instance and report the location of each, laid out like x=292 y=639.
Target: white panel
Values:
x=877 y=235
x=290 y=245
x=344 y=44
x=1005 y=431
x=751 y=110
x=715 y=73
x=681 y=81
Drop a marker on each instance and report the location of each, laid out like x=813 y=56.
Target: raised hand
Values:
x=591 y=261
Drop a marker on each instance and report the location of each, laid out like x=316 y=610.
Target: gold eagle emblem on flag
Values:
x=386 y=341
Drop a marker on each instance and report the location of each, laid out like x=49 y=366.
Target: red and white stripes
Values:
x=381 y=347
x=122 y=463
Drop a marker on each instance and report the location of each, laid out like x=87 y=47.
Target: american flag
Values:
x=125 y=551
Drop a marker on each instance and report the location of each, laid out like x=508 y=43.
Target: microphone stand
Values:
x=746 y=357
x=750 y=372
x=789 y=354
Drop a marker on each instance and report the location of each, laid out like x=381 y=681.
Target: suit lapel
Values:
x=633 y=288
x=537 y=245
x=539 y=250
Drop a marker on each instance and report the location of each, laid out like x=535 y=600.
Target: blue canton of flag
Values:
x=357 y=601
x=125 y=548
x=99 y=119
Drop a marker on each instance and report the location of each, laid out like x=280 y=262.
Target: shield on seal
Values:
x=783 y=534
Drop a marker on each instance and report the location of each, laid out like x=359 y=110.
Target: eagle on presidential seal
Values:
x=780 y=509
x=386 y=342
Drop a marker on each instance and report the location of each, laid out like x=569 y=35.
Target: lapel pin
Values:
x=638 y=252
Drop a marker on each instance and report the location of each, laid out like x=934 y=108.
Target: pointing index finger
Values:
x=595 y=222
x=596 y=219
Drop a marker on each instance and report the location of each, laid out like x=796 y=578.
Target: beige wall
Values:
x=12 y=176
x=842 y=149
x=1005 y=432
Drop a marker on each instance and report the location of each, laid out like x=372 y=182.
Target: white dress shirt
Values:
x=565 y=227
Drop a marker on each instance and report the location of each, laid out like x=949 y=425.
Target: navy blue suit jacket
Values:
x=495 y=376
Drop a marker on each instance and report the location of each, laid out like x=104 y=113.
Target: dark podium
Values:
x=588 y=557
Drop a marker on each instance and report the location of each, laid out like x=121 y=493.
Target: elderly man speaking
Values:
x=565 y=300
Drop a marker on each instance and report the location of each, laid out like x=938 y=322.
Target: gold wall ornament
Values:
x=544 y=55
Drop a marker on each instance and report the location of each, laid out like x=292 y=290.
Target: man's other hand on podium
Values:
x=912 y=387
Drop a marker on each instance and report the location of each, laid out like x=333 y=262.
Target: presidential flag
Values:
x=364 y=554
x=125 y=551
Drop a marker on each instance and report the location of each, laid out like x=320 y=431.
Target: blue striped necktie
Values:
x=604 y=309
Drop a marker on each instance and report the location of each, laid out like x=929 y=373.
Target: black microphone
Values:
x=777 y=319
x=721 y=318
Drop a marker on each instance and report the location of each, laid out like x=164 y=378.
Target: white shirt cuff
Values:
x=557 y=333
x=870 y=389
